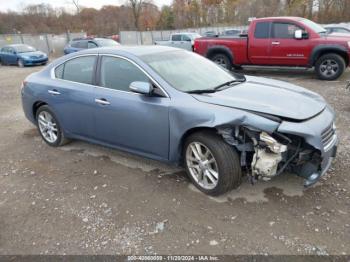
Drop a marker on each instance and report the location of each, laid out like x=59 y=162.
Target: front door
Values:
x=136 y=122
x=285 y=49
x=12 y=56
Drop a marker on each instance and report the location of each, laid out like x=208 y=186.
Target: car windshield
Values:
x=315 y=27
x=106 y=42
x=188 y=72
x=24 y=49
x=194 y=36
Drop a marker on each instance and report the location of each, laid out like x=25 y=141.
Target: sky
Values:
x=17 y=5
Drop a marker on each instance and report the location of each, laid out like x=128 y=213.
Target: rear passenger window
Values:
x=79 y=70
x=59 y=71
x=262 y=30
x=176 y=38
x=118 y=73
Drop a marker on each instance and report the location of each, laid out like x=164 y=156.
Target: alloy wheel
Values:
x=202 y=165
x=47 y=126
x=329 y=68
x=221 y=61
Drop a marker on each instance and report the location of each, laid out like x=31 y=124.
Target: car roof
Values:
x=131 y=50
x=295 y=18
x=15 y=45
x=335 y=26
x=89 y=39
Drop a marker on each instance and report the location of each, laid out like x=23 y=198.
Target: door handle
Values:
x=54 y=92
x=275 y=43
x=102 y=101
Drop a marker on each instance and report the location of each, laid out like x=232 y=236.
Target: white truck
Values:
x=180 y=40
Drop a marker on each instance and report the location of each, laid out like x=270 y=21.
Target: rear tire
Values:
x=329 y=67
x=222 y=60
x=224 y=160
x=49 y=127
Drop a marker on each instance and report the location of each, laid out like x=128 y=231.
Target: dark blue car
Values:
x=85 y=43
x=22 y=55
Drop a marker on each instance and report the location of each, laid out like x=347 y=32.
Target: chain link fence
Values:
x=52 y=45
x=149 y=37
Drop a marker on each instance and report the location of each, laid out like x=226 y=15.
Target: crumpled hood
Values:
x=268 y=96
x=35 y=53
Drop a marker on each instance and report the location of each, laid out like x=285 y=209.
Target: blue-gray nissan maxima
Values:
x=176 y=106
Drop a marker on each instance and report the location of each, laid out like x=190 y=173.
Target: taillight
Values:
x=195 y=46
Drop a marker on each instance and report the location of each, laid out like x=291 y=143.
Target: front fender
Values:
x=334 y=48
x=185 y=118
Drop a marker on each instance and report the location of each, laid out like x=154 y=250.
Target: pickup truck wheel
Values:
x=212 y=165
x=330 y=67
x=222 y=60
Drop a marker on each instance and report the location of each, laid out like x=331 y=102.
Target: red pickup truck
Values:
x=280 y=41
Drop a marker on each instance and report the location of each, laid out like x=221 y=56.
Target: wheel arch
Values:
x=319 y=51
x=36 y=106
x=188 y=133
x=214 y=50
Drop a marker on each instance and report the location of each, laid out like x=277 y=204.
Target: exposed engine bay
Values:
x=268 y=155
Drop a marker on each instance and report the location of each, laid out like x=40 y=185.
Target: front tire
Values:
x=20 y=63
x=329 y=67
x=222 y=60
x=212 y=165
x=49 y=127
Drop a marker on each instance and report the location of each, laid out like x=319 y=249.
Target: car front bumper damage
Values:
x=305 y=148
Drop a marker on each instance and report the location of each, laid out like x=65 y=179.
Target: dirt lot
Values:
x=86 y=199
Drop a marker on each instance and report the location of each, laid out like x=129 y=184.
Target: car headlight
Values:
x=272 y=143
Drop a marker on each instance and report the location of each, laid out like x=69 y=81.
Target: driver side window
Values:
x=91 y=45
x=186 y=38
x=284 y=30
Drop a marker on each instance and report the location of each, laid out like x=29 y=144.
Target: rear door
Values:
x=72 y=95
x=259 y=43
x=285 y=49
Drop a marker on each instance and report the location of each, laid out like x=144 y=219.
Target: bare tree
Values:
x=136 y=6
x=77 y=6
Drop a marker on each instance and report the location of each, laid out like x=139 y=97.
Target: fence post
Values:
x=152 y=37
x=47 y=44
x=21 y=36
x=68 y=36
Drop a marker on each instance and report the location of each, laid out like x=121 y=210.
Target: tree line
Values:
x=145 y=15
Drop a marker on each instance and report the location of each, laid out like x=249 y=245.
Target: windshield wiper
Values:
x=228 y=84
x=213 y=90
x=201 y=91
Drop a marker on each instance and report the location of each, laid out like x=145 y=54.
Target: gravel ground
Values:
x=87 y=199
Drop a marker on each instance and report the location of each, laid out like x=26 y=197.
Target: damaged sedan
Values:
x=176 y=106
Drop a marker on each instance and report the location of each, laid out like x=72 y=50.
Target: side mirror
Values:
x=298 y=34
x=141 y=87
